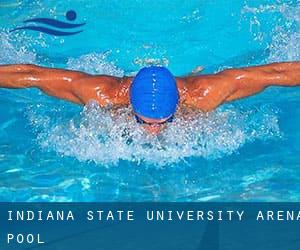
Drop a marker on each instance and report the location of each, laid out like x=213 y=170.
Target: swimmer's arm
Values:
x=255 y=79
x=74 y=86
x=207 y=92
x=54 y=82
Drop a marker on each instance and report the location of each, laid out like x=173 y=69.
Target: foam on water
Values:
x=106 y=136
x=95 y=63
x=13 y=51
x=284 y=45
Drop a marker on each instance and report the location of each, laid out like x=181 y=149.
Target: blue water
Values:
x=52 y=150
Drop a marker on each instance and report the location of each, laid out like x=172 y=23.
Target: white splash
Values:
x=95 y=63
x=285 y=42
x=285 y=45
x=12 y=51
x=106 y=136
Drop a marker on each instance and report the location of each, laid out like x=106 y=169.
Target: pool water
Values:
x=248 y=150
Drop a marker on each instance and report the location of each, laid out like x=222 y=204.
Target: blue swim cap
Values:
x=154 y=93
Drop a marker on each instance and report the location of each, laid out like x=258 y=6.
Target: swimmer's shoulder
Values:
x=104 y=89
x=190 y=86
x=205 y=92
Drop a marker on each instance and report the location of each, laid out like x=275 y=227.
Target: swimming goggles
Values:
x=141 y=121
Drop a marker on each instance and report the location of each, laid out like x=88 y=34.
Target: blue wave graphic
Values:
x=70 y=15
x=48 y=31
x=54 y=23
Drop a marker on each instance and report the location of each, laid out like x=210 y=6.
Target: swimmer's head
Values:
x=154 y=95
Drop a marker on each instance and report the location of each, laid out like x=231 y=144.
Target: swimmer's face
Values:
x=152 y=126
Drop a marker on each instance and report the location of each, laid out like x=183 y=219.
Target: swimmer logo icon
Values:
x=58 y=28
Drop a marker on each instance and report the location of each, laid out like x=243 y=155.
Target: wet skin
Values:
x=203 y=92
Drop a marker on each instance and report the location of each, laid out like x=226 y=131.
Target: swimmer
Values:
x=154 y=93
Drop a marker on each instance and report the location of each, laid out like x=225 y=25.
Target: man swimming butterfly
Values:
x=154 y=93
